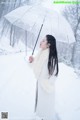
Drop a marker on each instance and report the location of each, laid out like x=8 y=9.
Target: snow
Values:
x=18 y=84
x=16 y=87
x=67 y=93
x=5 y=47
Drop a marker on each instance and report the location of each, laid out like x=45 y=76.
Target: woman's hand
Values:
x=31 y=59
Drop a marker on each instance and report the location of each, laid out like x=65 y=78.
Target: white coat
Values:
x=45 y=92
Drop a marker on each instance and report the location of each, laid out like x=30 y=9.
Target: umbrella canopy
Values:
x=24 y=23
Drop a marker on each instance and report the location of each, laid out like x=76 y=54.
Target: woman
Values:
x=45 y=67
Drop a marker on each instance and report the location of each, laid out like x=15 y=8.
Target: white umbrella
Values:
x=37 y=21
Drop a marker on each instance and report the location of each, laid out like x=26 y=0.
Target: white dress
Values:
x=45 y=88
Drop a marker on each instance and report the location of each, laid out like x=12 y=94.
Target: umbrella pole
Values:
x=39 y=34
x=37 y=39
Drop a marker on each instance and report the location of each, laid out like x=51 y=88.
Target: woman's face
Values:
x=44 y=44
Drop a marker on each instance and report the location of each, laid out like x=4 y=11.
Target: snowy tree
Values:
x=72 y=14
x=8 y=5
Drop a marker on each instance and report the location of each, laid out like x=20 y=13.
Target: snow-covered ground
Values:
x=17 y=89
x=5 y=47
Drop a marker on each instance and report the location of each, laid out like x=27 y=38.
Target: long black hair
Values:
x=53 y=57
